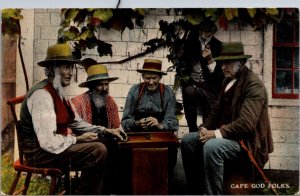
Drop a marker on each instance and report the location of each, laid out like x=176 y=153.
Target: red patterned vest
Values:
x=63 y=111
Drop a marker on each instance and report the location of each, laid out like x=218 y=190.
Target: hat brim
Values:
x=46 y=62
x=86 y=83
x=220 y=58
x=150 y=70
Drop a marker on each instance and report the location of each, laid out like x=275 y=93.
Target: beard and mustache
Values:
x=57 y=84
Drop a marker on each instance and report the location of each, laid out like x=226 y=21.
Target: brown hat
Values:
x=58 y=53
x=152 y=65
x=232 y=51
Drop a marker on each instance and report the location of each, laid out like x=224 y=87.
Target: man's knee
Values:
x=188 y=141
x=189 y=91
x=98 y=151
x=211 y=148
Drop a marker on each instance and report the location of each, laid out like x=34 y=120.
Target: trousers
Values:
x=193 y=97
x=204 y=163
x=89 y=158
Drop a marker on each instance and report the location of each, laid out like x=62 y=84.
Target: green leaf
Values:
x=252 y=12
x=103 y=14
x=69 y=35
x=140 y=11
x=194 y=19
x=272 y=11
x=228 y=13
x=12 y=13
x=70 y=14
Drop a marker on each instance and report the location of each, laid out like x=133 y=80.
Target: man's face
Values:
x=230 y=68
x=151 y=80
x=66 y=72
x=205 y=35
x=101 y=87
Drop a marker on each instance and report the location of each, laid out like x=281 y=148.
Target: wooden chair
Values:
x=20 y=166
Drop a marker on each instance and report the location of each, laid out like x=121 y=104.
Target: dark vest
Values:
x=225 y=105
x=64 y=115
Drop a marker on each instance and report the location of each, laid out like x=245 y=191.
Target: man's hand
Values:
x=195 y=76
x=205 y=134
x=87 y=137
x=149 y=122
x=206 y=53
x=117 y=133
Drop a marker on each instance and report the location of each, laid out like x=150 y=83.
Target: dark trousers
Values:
x=193 y=97
x=89 y=158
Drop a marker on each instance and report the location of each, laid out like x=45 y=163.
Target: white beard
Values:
x=57 y=84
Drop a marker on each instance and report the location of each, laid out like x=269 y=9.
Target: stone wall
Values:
x=284 y=120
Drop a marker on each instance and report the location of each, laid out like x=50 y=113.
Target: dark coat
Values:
x=193 y=54
x=250 y=120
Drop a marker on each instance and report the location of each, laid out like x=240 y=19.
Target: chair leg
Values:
x=53 y=185
x=27 y=181
x=14 y=184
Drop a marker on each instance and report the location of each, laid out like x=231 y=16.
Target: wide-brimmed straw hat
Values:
x=96 y=72
x=152 y=65
x=231 y=51
x=58 y=53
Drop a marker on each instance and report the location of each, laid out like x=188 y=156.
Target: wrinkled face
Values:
x=151 y=80
x=100 y=87
x=66 y=72
x=231 y=67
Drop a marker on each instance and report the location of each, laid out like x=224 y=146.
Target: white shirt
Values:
x=41 y=107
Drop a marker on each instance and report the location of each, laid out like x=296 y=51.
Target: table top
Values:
x=150 y=139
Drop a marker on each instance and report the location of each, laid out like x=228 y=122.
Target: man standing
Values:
x=204 y=74
x=52 y=134
x=97 y=107
x=240 y=116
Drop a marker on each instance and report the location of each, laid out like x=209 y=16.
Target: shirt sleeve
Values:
x=170 y=121
x=211 y=67
x=41 y=107
x=128 y=119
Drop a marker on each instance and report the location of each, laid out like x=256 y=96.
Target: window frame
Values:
x=293 y=45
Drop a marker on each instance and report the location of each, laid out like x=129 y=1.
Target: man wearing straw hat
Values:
x=97 y=107
x=151 y=106
x=238 y=121
x=52 y=133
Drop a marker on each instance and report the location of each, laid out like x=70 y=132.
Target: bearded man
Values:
x=97 y=107
x=52 y=133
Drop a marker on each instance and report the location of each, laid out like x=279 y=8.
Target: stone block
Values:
x=42 y=19
x=49 y=33
x=286 y=149
x=277 y=163
x=37 y=33
x=284 y=124
x=134 y=48
x=285 y=112
x=110 y=35
x=134 y=77
x=153 y=34
x=55 y=19
x=251 y=37
x=149 y=22
x=40 y=47
x=255 y=51
x=235 y=36
x=223 y=36
x=119 y=48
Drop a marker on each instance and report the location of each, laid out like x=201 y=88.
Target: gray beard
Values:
x=98 y=100
x=57 y=85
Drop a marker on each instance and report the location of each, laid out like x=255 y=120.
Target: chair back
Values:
x=12 y=102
